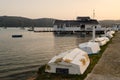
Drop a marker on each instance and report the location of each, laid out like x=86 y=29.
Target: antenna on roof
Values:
x=93 y=13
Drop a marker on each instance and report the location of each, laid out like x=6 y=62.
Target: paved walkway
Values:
x=108 y=67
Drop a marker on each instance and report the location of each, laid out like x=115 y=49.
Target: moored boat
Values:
x=17 y=36
x=74 y=61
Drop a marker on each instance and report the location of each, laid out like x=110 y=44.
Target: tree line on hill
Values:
x=109 y=23
x=13 y=21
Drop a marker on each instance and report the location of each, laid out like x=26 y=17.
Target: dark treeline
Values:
x=13 y=21
x=109 y=23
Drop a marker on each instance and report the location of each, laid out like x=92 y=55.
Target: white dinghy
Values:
x=74 y=61
x=102 y=40
x=90 y=47
x=110 y=34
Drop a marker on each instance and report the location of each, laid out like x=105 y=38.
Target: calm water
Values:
x=20 y=58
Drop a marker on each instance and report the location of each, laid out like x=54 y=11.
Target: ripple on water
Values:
x=21 y=58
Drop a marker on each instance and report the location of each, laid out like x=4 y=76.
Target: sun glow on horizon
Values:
x=61 y=9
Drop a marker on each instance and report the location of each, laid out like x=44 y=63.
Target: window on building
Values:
x=95 y=27
x=82 y=27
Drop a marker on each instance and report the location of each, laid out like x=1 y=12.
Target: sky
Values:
x=61 y=9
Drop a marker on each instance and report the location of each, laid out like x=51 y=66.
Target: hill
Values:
x=109 y=23
x=44 y=22
x=14 y=21
x=11 y=21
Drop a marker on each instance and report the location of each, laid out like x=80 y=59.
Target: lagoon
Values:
x=20 y=58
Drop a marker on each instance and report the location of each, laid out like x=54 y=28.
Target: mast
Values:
x=105 y=31
x=93 y=13
x=93 y=34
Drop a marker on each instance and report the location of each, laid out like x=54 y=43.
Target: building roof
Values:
x=75 y=22
x=83 y=18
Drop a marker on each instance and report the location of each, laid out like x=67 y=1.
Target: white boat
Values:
x=106 y=38
x=110 y=34
x=101 y=40
x=90 y=47
x=74 y=61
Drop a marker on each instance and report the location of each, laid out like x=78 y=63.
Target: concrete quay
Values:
x=108 y=67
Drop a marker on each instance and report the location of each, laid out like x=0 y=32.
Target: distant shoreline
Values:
x=40 y=22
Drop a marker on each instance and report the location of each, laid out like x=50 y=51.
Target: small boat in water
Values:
x=17 y=36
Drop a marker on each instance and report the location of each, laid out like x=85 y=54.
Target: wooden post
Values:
x=93 y=34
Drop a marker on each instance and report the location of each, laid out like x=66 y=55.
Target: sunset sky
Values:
x=61 y=9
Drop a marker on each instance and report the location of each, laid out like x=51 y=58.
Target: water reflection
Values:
x=25 y=55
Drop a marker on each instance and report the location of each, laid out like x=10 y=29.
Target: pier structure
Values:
x=80 y=25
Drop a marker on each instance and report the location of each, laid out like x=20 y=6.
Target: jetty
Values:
x=108 y=67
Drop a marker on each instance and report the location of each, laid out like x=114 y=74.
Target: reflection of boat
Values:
x=22 y=28
x=4 y=27
x=31 y=29
x=17 y=36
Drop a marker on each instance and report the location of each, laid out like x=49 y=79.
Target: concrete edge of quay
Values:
x=108 y=67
